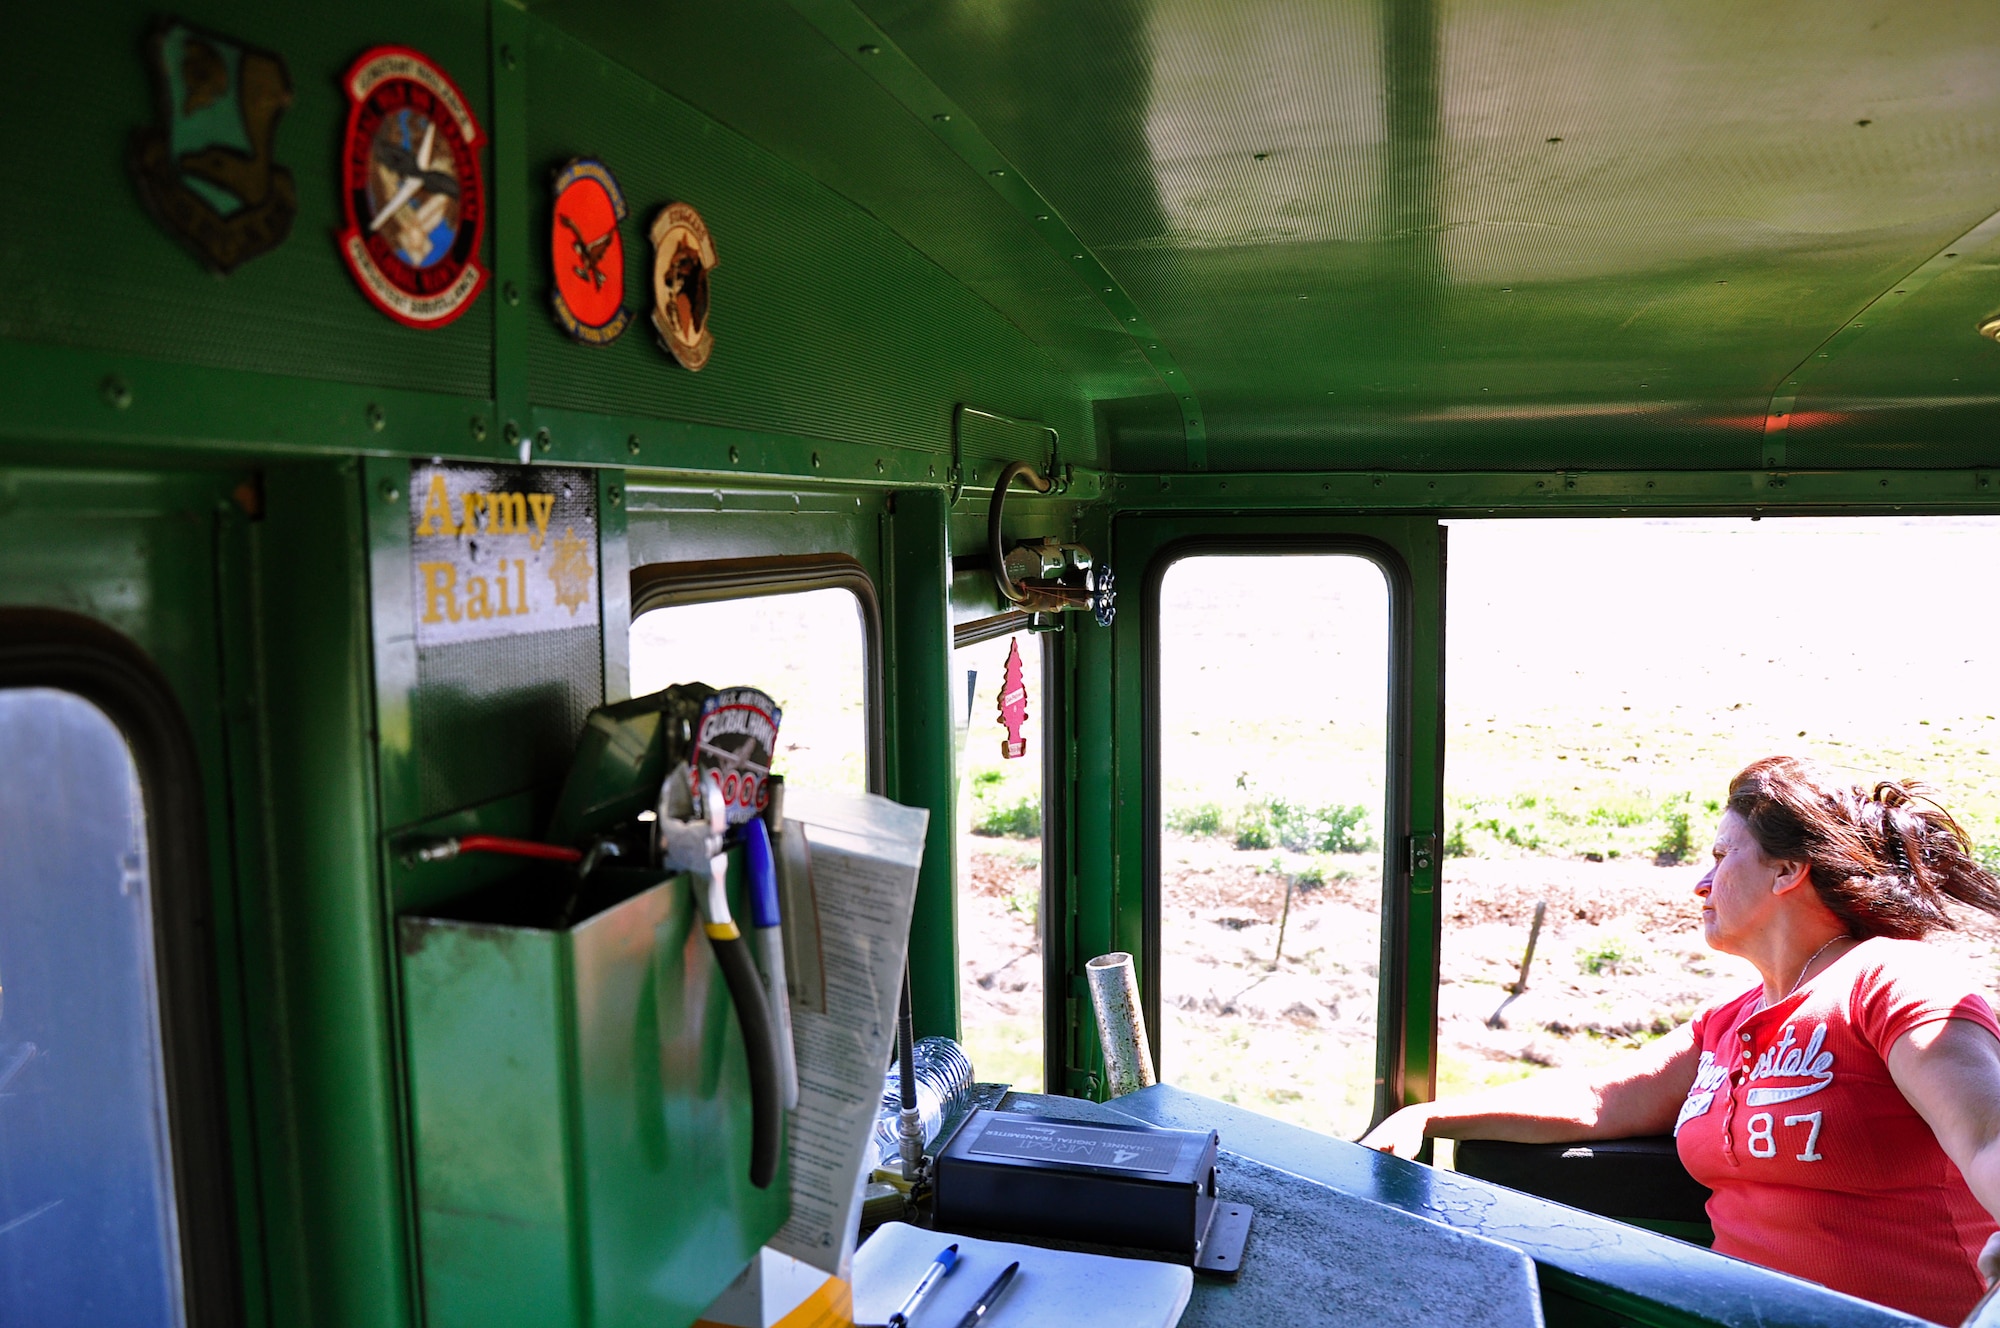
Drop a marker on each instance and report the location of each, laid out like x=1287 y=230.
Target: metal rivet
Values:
x=115 y=393
x=996 y=173
x=390 y=493
x=1649 y=484
x=511 y=293
x=1863 y=124
x=932 y=472
x=1885 y=484
x=871 y=49
x=616 y=494
x=1262 y=156
x=507 y=58
x=734 y=455
x=376 y=422
x=942 y=117
x=632 y=444
x=1041 y=216
x=1378 y=481
x=542 y=439
x=478 y=426
x=880 y=465
x=1555 y=140
x=815 y=461
x=511 y=433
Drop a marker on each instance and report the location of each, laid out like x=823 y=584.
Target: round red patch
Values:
x=587 y=253
x=411 y=188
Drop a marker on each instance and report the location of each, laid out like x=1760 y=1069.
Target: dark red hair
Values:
x=1885 y=862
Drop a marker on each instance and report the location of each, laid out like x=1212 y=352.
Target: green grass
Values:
x=1000 y=807
x=1300 y=1075
x=1005 y=1051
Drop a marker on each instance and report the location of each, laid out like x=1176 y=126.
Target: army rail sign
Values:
x=501 y=551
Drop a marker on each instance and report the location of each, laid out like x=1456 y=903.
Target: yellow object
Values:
x=721 y=931
x=831 y=1305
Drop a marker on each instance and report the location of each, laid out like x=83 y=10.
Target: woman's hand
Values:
x=1989 y=1259
x=1402 y=1134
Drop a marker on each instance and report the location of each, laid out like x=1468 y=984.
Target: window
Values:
x=1607 y=678
x=1000 y=864
x=808 y=649
x=89 y=1231
x=1273 y=749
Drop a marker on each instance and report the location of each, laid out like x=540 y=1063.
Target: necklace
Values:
x=1801 y=979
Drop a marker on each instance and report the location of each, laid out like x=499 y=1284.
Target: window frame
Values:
x=1392 y=1021
x=61 y=651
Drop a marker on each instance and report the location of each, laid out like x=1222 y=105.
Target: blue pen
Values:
x=932 y=1276
x=766 y=926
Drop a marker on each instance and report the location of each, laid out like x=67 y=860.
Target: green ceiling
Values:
x=1507 y=234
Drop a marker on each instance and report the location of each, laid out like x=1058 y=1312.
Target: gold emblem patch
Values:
x=683 y=256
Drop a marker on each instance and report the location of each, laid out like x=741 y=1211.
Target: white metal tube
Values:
x=1121 y=1028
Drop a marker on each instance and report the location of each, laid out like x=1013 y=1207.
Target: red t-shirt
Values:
x=1820 y=1166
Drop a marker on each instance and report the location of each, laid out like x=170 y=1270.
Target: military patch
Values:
x=683 y=256
x=589 y=253
x=206 y=172
x=412 y=189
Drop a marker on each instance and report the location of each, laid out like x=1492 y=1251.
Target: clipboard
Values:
x=1054 y=1289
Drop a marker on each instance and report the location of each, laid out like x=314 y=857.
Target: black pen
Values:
x=988 y=1296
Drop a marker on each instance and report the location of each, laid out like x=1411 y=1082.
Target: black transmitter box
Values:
x=1134 y=1186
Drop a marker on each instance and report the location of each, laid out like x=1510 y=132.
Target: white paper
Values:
x=853 y=915
x=1054 y=1288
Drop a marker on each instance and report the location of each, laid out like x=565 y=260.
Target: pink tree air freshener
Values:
x=1013 y=704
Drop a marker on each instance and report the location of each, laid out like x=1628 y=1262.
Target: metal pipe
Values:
x=995 y=546
x=1121 y=1030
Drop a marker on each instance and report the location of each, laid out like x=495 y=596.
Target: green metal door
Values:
x=1109 y=895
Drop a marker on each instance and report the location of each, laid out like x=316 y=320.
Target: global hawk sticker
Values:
x=683 y=256
x=206 y=171
x=735 y=738
x=411 y=188
x=589 y=254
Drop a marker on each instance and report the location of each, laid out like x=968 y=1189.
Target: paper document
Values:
x=1054 y=1289
x=848 y=875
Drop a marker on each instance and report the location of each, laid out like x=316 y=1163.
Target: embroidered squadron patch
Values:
x=683 y=256
x=206 y=171
x=589 y=253
x=411 y=188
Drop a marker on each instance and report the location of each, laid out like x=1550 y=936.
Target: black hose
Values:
x=906 y=1042
x=760 y=1049
x=994 y=551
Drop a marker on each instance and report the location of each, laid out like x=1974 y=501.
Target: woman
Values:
x=1847 y=1108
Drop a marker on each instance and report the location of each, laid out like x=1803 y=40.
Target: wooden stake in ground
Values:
x=1521 y=983
x=1283 y=918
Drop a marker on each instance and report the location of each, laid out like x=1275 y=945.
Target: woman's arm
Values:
x=1950 y=1072
x=1641 y=1094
